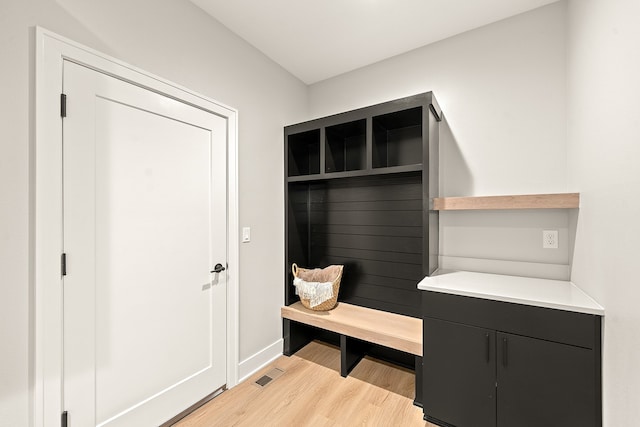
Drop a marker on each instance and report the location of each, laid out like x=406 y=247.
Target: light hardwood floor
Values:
x=311 y=392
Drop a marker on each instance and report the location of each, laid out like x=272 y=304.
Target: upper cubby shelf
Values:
x=356 y=173
x=345 y=146
x=304 y=153
x=526 y=201
x=387 y=138
x=397 y=138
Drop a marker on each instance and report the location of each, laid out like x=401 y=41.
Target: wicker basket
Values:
x=328 y=304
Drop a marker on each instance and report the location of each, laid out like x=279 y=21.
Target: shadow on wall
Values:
x=77 y=24
x=498 y=241
x=455 y=175
x=574 y=215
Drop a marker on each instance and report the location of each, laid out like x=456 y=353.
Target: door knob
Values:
x=218 y=268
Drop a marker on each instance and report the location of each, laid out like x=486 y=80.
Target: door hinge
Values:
x=64 y=419
x=63 y=105
x=63 y=264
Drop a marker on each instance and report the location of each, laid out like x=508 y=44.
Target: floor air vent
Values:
x=268 y=377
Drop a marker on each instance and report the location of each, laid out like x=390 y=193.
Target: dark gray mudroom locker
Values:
x=357 y=192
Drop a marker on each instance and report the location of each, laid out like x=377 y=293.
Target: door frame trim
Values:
x=51 y=50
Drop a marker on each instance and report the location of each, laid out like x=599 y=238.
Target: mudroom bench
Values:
x=358 y=187
x=360 y=331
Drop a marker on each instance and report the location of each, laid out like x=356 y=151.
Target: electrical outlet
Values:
x=550 y=239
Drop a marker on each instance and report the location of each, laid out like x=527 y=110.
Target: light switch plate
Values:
x=246 y=234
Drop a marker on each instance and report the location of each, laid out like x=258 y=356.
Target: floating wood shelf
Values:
x=527 y=201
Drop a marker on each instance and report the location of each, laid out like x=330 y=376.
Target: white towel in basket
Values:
x=315 y=292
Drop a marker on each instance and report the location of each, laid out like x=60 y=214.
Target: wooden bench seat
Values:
x=396 y=331
x=358 y=328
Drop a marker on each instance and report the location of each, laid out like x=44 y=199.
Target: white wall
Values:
x=507 y=93
x=175 y=40
x=603 y=157
x=502 y=89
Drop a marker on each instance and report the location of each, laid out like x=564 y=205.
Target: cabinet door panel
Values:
x=459 y=371
x=542 y=383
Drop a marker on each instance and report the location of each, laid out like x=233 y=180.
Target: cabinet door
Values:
x=459 y=374
x=542 y=383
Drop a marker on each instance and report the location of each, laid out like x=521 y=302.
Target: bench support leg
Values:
x=418 y=400
x=351 y=352
x=296 y=335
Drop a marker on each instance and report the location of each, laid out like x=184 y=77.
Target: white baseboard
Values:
x=254 y=363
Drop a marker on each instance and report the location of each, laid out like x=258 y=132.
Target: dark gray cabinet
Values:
x=491 y=363
x=460 y=363
x=544 y=383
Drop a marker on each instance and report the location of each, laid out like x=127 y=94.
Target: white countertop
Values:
x=558 y=294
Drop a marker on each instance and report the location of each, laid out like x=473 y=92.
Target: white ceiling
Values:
x=316 y=40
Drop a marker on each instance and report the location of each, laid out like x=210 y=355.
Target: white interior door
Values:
x=145 y=222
